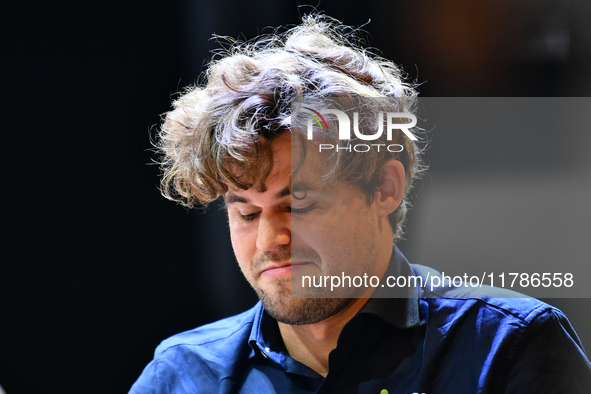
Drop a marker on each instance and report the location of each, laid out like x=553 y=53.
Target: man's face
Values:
x=278 y=233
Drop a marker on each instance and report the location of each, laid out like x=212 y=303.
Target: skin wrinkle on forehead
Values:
x=295 y=191
x=298 y=188
x=232 y=198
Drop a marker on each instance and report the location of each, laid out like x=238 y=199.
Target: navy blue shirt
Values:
x=449 y=340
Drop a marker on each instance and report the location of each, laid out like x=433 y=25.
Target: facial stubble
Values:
x=286 y=309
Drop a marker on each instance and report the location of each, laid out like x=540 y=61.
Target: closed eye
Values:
x=249 y=217
x=299 y=211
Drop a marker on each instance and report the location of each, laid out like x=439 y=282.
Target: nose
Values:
x=274 y=231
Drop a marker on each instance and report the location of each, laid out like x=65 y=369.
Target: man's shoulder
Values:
x=515 y=343
x=494 y=300
x=222 y=334
x=199 y=360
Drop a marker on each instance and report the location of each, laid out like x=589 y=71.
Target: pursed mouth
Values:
x=276 y=267
x=285 y=269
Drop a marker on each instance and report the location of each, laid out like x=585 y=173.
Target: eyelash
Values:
x=248 y=218
x=299 y=211
x=303 y=210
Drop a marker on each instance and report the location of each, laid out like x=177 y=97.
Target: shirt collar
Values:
x=398 y=306
x=265 y=339
x=255 y=339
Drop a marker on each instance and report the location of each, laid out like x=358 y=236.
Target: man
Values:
x=308 y=203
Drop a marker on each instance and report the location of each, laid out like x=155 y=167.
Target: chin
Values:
x=301 y=311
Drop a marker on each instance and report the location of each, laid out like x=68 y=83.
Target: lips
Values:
x=276 y=271
x=281 y=269
x=276 y=266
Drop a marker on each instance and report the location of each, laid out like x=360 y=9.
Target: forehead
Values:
x=292 y=162
x=278 y=178
x=282 y=153
x=309 y=168
x=293 y=167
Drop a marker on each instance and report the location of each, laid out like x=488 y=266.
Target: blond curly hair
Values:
x=218 y=135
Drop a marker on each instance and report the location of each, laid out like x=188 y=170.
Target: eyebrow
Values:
x=233 y=198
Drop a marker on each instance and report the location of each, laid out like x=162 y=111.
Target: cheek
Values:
x=320 y=236
x=337 y=238
x=244 y=245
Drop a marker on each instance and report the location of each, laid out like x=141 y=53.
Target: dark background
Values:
x=96 y=267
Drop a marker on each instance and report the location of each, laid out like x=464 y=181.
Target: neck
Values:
x=312 y=343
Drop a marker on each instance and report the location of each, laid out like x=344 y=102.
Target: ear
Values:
x=391 y=191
